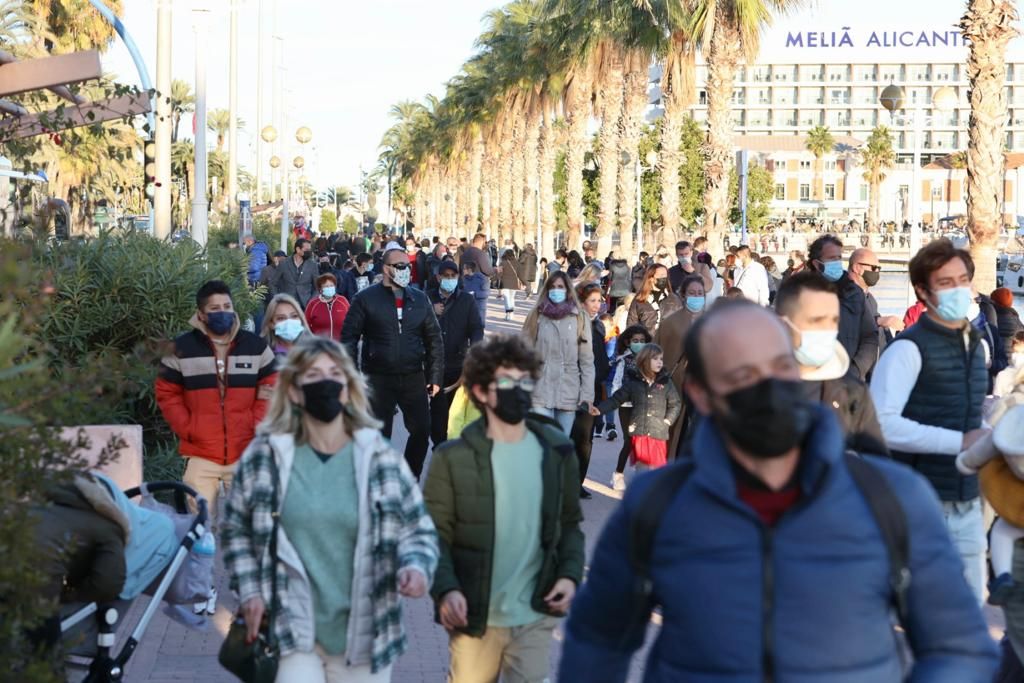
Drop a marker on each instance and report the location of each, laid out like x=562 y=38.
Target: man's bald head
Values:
x=863 y=261
x=863 y=255
x=733 y=346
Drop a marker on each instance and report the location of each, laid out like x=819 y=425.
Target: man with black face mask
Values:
x=865 y=271
x=297 y=275
x=767 y=514
x=505 y=500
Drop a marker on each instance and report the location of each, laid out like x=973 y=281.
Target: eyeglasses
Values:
x=524 y=383
x=399 y=266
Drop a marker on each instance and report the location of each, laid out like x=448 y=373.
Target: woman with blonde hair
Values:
x=284 y=324
x=591 y=274
x=559 y=330
x=325 y=516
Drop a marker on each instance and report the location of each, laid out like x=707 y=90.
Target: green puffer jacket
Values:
x=459 y=494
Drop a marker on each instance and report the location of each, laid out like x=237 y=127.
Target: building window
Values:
x=805 y=165
x=780 y=191
x=805 y=193
x=830 y=192
x=863 y=193
x=830 y=164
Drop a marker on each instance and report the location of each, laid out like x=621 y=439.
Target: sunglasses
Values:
x=505 y=383
x=399 y=266
x=876 y=269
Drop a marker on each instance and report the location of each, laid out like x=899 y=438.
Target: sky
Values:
x=348 y=62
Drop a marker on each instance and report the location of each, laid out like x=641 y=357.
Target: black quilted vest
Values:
x=949 y=394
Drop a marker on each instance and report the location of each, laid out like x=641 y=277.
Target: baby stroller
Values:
x=169 y=569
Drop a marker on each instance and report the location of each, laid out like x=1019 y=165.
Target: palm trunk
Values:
x=517 y=170
x=577 y=114
x=505 y=179
x=988 y=26
x=492 y=194
x=677 y=91
x=548 y=153
x=717 y=150
x=873 y=200
x=476 y=164
x=631 y=127
x=531 y=159
x=611 y=110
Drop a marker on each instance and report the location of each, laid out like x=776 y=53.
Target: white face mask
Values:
x=816 y=347
x=401 y=277
x=973 y=311
x=1017 y=358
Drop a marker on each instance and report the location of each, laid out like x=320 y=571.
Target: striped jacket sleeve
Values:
x=417 y=543
x=170 y=396
x=266 y=379
x=237 y=529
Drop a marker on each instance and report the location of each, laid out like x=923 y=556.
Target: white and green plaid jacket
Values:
x=395 y=532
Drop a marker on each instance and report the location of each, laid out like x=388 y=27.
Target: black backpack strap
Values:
x=643 y=526
x=892 y=522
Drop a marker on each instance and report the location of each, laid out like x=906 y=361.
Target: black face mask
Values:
x=871 y=277
x=306 y=255
x=322 y=399
x=767 y=419
x=661 y=284
x=512 y=405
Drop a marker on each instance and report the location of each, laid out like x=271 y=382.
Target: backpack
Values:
x=884 y=506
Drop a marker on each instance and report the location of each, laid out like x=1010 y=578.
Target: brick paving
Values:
x=171 y=653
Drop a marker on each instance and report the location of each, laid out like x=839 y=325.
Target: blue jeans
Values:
x=565 y=418
x=967 y=530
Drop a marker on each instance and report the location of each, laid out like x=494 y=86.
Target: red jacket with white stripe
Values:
x=215 y=419
x=325 y=319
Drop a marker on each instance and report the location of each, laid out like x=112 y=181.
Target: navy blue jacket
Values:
x=808 y=599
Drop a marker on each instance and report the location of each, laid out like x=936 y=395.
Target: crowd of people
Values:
x=804 y=472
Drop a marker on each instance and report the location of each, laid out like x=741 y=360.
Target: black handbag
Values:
x=256 y=662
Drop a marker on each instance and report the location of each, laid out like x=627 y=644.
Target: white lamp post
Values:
x=200 y=205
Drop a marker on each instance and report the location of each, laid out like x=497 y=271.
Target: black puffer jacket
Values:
x=460 y=327
x=858 y=331
x=644 y=313
x=1009 y=325
x=391 y=347
x=655 y=406
x=601 y=365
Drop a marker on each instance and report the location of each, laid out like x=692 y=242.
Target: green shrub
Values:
x=328 y=223
x=264 y=229
x=350 y=225
x=32 y=400
x=117 y=300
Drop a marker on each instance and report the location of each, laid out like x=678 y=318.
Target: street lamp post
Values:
x=893 y=99
x=200 y=207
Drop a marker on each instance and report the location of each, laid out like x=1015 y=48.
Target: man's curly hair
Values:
x=498 y=351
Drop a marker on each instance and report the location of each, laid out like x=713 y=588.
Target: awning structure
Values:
x=55 y=74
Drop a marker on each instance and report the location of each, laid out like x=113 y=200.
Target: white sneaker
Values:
x=618 y=481
x=208 y=606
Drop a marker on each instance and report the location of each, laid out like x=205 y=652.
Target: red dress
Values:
x=325 y=319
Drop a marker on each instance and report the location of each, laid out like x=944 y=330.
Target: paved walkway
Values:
x=170 y=652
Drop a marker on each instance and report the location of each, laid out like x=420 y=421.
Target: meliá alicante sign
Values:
x=845 y=37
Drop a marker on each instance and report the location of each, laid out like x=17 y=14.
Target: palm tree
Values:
x=218 y=121
x=182 y=100
x=727 y=30
x=677 y=88
x=988 y=26
x=74 y=25
x=877 y=156
x=819 y=142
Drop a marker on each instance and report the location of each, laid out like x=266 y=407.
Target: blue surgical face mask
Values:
x=220 y=322
x=817 y=347
x=449 y=284
x=328 y=292
x=832 y=270
x=557 y=296
x=954 y=303
x=695 y=304
x=289 y=330
x=637 y=347
x=369 y=266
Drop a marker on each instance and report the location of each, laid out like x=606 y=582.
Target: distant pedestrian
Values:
x=326 y=312
x=284 y=325
x=654 y=301
x=297 y=275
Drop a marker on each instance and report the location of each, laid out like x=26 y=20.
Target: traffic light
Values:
x=149 y=167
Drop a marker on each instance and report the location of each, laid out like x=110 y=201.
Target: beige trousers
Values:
x=206 y=476
x=320 y=667
x=521 y=654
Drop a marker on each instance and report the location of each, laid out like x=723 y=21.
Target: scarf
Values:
x=555 y=311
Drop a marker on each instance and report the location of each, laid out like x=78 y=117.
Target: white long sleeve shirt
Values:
x=893 y=380
x=753 y=280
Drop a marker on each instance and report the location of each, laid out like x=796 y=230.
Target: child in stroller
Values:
x=101 y=549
